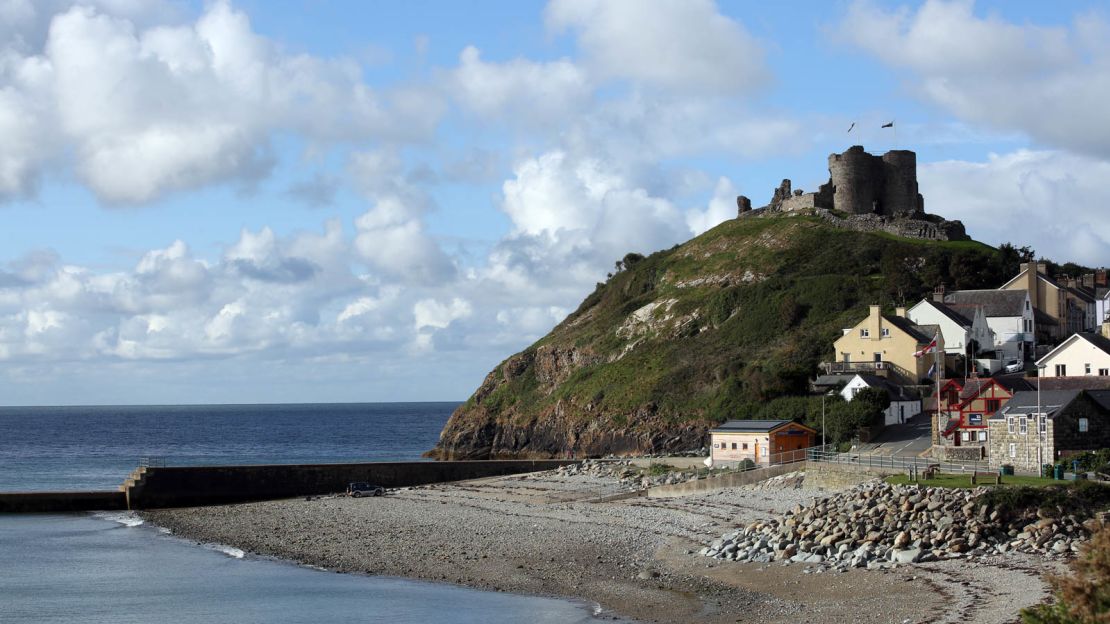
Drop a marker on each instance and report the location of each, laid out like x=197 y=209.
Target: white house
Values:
x=903 y=403
x=1102 y=308
x=958 y=329
x=1009 y=314
x=1082 y=354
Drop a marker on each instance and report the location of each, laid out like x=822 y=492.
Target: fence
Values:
x=914 y=465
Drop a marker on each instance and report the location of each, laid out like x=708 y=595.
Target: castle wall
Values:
x=853 y=176
x=899 y=192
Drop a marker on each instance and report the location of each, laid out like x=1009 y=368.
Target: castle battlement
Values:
x=873 y=192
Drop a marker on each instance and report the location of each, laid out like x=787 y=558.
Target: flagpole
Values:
x=940 y=371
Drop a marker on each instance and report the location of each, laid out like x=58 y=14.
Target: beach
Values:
x=554 y=534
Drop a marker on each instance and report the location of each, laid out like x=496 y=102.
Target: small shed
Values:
x=762 y=441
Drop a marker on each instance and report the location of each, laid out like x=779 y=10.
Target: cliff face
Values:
x=688 y=337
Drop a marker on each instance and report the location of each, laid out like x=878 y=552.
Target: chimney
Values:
x=1070 y=282
x=1042 y=268
x=900 y=311
x=938 y=294
x=1100 y=278
x=1088 y=281
x=1031 y=283
x=875 y=322
x=1106 y=329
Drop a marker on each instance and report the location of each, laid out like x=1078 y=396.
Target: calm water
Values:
x=99 y=568
x=94 y=448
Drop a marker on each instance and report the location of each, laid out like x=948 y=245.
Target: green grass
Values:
x=964 y=481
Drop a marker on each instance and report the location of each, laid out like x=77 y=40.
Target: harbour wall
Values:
x=190 y=486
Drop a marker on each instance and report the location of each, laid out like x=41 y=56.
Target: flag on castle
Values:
x=888 y=125
x=929 y=348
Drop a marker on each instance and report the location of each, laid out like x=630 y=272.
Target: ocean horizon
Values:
x=114 y=568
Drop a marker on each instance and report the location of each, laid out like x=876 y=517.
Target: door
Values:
x=756 y=451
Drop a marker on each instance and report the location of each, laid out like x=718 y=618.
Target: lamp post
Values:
x=824 y=442
x=1040 y=415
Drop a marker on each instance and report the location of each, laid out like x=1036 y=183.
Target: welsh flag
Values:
x=929 y=348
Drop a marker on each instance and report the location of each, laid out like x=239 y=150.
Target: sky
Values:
x=328 y=201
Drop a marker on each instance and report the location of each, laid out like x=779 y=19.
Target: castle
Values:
x=864 y=192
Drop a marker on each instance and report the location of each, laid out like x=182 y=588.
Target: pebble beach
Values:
x=561 y=533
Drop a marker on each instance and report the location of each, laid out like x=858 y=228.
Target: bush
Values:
x=1081 y=498
x=747 y=464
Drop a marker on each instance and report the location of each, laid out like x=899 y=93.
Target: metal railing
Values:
x=915 y=465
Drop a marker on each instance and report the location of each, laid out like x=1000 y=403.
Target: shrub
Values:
x=747 y=464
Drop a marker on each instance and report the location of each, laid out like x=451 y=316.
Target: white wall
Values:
x=1075 y=355
x=955 y=336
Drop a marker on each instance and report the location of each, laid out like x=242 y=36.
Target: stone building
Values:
x=1034 y=428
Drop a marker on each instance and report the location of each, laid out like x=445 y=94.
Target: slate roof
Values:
x=893 y=390
x=923 y=333
x=1051 y=402
x=1100 y=342
x=954 y=315
x=994 y=302
x=752 y=426
x=1085 y=382
x=974 y=385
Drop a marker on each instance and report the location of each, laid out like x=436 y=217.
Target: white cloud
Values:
x=147 y=110
x=673 y=44
x=1053 y=201
x=431 y=314
x=722 y=206
x=1048 y=82
x=519 y=89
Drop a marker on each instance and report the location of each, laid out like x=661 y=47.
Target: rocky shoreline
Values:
x=877 y=524
x=546 y=534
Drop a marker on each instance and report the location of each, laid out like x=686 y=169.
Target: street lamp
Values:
x=1040 y=415
x=824 y=443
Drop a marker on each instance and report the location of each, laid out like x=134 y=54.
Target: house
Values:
x=964 y=334
x=1009 y=314
x=1037 y=428
x=761 y=441
x=1082 y=354
x=1063 y=311
x=904 y=403
x=967 y=406
x=885 y=346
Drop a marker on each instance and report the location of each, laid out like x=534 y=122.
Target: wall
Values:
x=57 y=502
x=842 y=476
x=1075 y=356
x=720 y=482
x=213 y=485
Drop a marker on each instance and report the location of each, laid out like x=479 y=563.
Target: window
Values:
x=1061 y=370
x=1013 y=450
x=993 y=405
x=1028 y=326
x=745 y=446
x=1086 y=369
x=1105 y=372
x=982 y=436
x=885 y=332
x=1042 y=424
x=734 y=446
x=878 y=357
x=1082 y=425
x=716 y=445
x=965 y=436
x=1010 y=424
x=1023 y=425
x=865 y=333
x=975 y=419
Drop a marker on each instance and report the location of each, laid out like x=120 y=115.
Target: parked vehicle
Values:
x=358 y=489
x=1014 y=366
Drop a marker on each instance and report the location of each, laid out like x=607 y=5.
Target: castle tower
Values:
x=853 y=175
x=899 y=195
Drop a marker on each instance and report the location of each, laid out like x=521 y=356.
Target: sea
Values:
x=113 y=568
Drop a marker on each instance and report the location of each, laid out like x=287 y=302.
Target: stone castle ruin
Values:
x=864 y=192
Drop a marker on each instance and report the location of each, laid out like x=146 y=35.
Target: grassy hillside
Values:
x=702 y=332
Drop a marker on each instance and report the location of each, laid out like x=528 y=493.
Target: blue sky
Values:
x=349 y=201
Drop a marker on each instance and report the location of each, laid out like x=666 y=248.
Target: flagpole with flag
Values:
x=932 y=347
x=890 y=124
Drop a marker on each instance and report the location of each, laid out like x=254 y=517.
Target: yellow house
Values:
x=762 y=441
x=885 y=345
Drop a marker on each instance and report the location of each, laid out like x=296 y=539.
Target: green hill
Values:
x=711 y=329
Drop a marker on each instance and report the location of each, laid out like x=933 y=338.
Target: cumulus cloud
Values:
x=149 y=110
x=1051 y=200
x=520 y=88
x=1048 y=82
x=670 y=44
